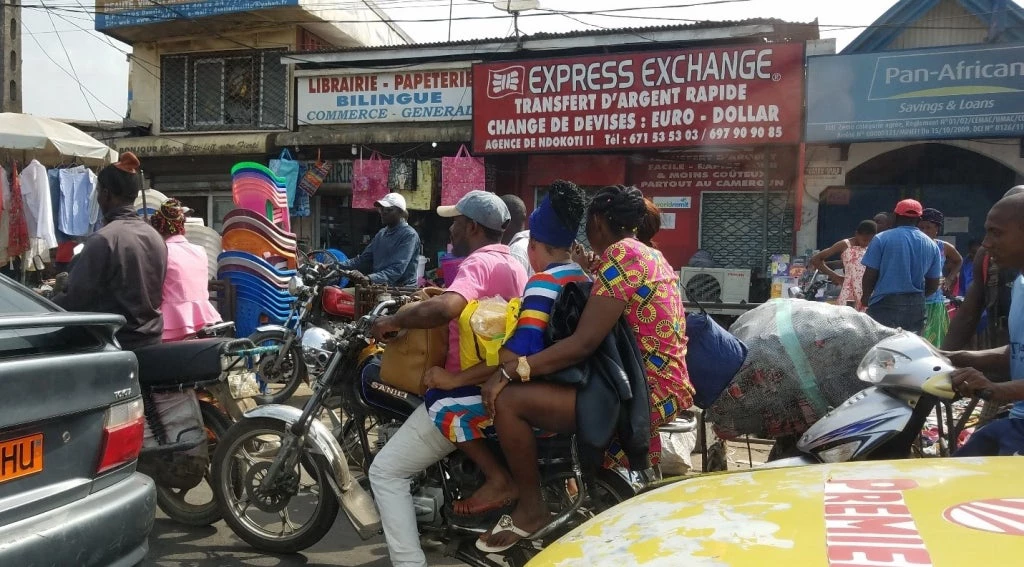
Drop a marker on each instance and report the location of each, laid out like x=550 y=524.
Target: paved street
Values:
x=174 y=545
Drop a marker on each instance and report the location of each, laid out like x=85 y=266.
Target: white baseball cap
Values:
x=393 y=200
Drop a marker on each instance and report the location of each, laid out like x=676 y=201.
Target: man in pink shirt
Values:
x=489 y=270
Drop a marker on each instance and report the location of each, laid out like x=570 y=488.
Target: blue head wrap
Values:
x=546 y=227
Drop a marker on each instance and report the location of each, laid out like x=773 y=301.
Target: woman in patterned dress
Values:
x=850 y=251
x=633 y=280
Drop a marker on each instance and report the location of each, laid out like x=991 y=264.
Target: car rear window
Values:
x=18 y=300
x=15 y=299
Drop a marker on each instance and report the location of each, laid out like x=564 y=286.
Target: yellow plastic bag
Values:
x=484 y=326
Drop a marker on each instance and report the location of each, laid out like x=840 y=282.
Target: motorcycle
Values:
x=811 y=284
x=318 y=303
x=192 y=391
x=279 y=463
x=909 y=378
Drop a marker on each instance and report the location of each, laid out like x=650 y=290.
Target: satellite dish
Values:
x=515 y=5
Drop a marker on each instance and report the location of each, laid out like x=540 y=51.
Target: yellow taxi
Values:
x=914 y=513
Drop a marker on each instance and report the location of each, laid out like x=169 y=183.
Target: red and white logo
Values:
x=1000 y=516
x=505 y=82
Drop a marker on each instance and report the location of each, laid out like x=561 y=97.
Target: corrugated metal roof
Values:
x=904 y=13
x=565 y=35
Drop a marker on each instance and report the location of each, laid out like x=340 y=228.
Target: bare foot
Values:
x=492 y=495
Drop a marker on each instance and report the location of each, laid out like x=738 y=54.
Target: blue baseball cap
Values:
x=481 y=207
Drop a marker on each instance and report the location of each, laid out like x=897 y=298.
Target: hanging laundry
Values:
x=18 y=241
x=5 y=219
x=54 y=177
x=95 y=216
x=35 y=191
x=75 y=188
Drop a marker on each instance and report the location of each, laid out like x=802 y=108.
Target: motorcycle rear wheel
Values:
x=292 y=372
x=172 y=500
x=244 y=452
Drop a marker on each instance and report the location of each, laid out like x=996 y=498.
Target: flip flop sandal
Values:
x=504 y=525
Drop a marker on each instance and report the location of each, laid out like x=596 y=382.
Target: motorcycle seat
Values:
x=180 y=363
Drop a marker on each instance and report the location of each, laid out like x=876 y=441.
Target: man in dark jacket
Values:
x=391 y=257
x=121 y=267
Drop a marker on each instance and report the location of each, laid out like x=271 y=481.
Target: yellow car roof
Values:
x=897 y=513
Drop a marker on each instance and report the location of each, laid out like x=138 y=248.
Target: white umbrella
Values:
x=50 y=141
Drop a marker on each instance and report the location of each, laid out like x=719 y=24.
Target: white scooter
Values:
x=909 y=377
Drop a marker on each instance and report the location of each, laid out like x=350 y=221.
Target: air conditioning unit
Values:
x=715 y=285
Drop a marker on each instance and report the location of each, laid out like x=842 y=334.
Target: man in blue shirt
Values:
x=902 y=267
x=391 y=257
x=1004 y=241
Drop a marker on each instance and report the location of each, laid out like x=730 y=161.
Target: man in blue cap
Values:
x=489 y=270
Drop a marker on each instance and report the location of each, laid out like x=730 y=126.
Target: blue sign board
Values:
x=122 y=13
x=949 y=92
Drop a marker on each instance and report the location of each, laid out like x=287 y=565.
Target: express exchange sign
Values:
x=719 y=96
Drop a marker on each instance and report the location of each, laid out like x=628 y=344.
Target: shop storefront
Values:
x=710 y=134
x=415 y=115
x=941 y=125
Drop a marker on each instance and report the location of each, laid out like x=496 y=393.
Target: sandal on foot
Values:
x=505 y=524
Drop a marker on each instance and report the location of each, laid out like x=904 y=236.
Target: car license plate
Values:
x=21 y=457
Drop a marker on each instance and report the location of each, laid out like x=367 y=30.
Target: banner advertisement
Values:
x=699 y=97
x=921 y=94
x=771 y=169
x=400 y=96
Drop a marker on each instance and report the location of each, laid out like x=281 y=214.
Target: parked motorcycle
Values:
x=909 y=378
x=318 y=303
x=280 y=474
x=192 y=391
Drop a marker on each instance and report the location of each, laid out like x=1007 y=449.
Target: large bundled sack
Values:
x=802 y=360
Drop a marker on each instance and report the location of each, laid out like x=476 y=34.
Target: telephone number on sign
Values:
x=744 y=132
x=662 y=136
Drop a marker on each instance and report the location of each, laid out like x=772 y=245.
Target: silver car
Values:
x=71 y=427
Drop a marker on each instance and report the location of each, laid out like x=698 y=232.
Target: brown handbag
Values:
x=408 y=357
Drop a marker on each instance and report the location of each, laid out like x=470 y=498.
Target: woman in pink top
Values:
x=186 y=305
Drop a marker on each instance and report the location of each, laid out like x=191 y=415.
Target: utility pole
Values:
x=10 y=57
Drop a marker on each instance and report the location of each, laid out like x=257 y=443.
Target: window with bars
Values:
x=245 y=90
x=735 y=227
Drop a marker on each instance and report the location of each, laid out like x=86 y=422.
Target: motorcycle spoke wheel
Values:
x=296 y=510
x=278 y=378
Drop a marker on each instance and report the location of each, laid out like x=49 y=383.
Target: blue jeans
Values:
x=904 y=311
x=1001 y=437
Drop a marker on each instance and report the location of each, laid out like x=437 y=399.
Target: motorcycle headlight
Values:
x=839 y=453
x=877 y=363
x=318 y=345
x=295 y=285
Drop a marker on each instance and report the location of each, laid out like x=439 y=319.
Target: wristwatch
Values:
x=523 y=369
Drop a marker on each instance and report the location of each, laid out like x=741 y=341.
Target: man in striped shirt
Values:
x=454 y=401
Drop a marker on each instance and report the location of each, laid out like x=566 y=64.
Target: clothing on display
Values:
x=18 y=240
x=35 y=191
x=76 y=187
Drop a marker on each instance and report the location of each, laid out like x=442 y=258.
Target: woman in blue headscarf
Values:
x=454 y=401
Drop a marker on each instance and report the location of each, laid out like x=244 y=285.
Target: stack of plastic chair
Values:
x=258 y=189
x=261 y=290
x=259 y=255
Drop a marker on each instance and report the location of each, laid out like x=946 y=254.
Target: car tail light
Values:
x=122 y=435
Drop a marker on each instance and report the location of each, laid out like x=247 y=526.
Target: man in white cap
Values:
x=489 y=270
x=390 y=257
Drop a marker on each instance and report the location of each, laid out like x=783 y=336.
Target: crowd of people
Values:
x=894 y=267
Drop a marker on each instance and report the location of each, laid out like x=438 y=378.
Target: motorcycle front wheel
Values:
x=197 y=506
x=281 y=382
x=293 y=514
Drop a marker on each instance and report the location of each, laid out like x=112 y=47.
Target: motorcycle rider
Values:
x=1004 y=241
x=121 y=267
x=390 y=258
x=489 y=270
x=984 y=292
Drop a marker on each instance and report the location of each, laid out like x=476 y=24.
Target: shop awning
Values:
x=178 y=145
x=347 y=134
